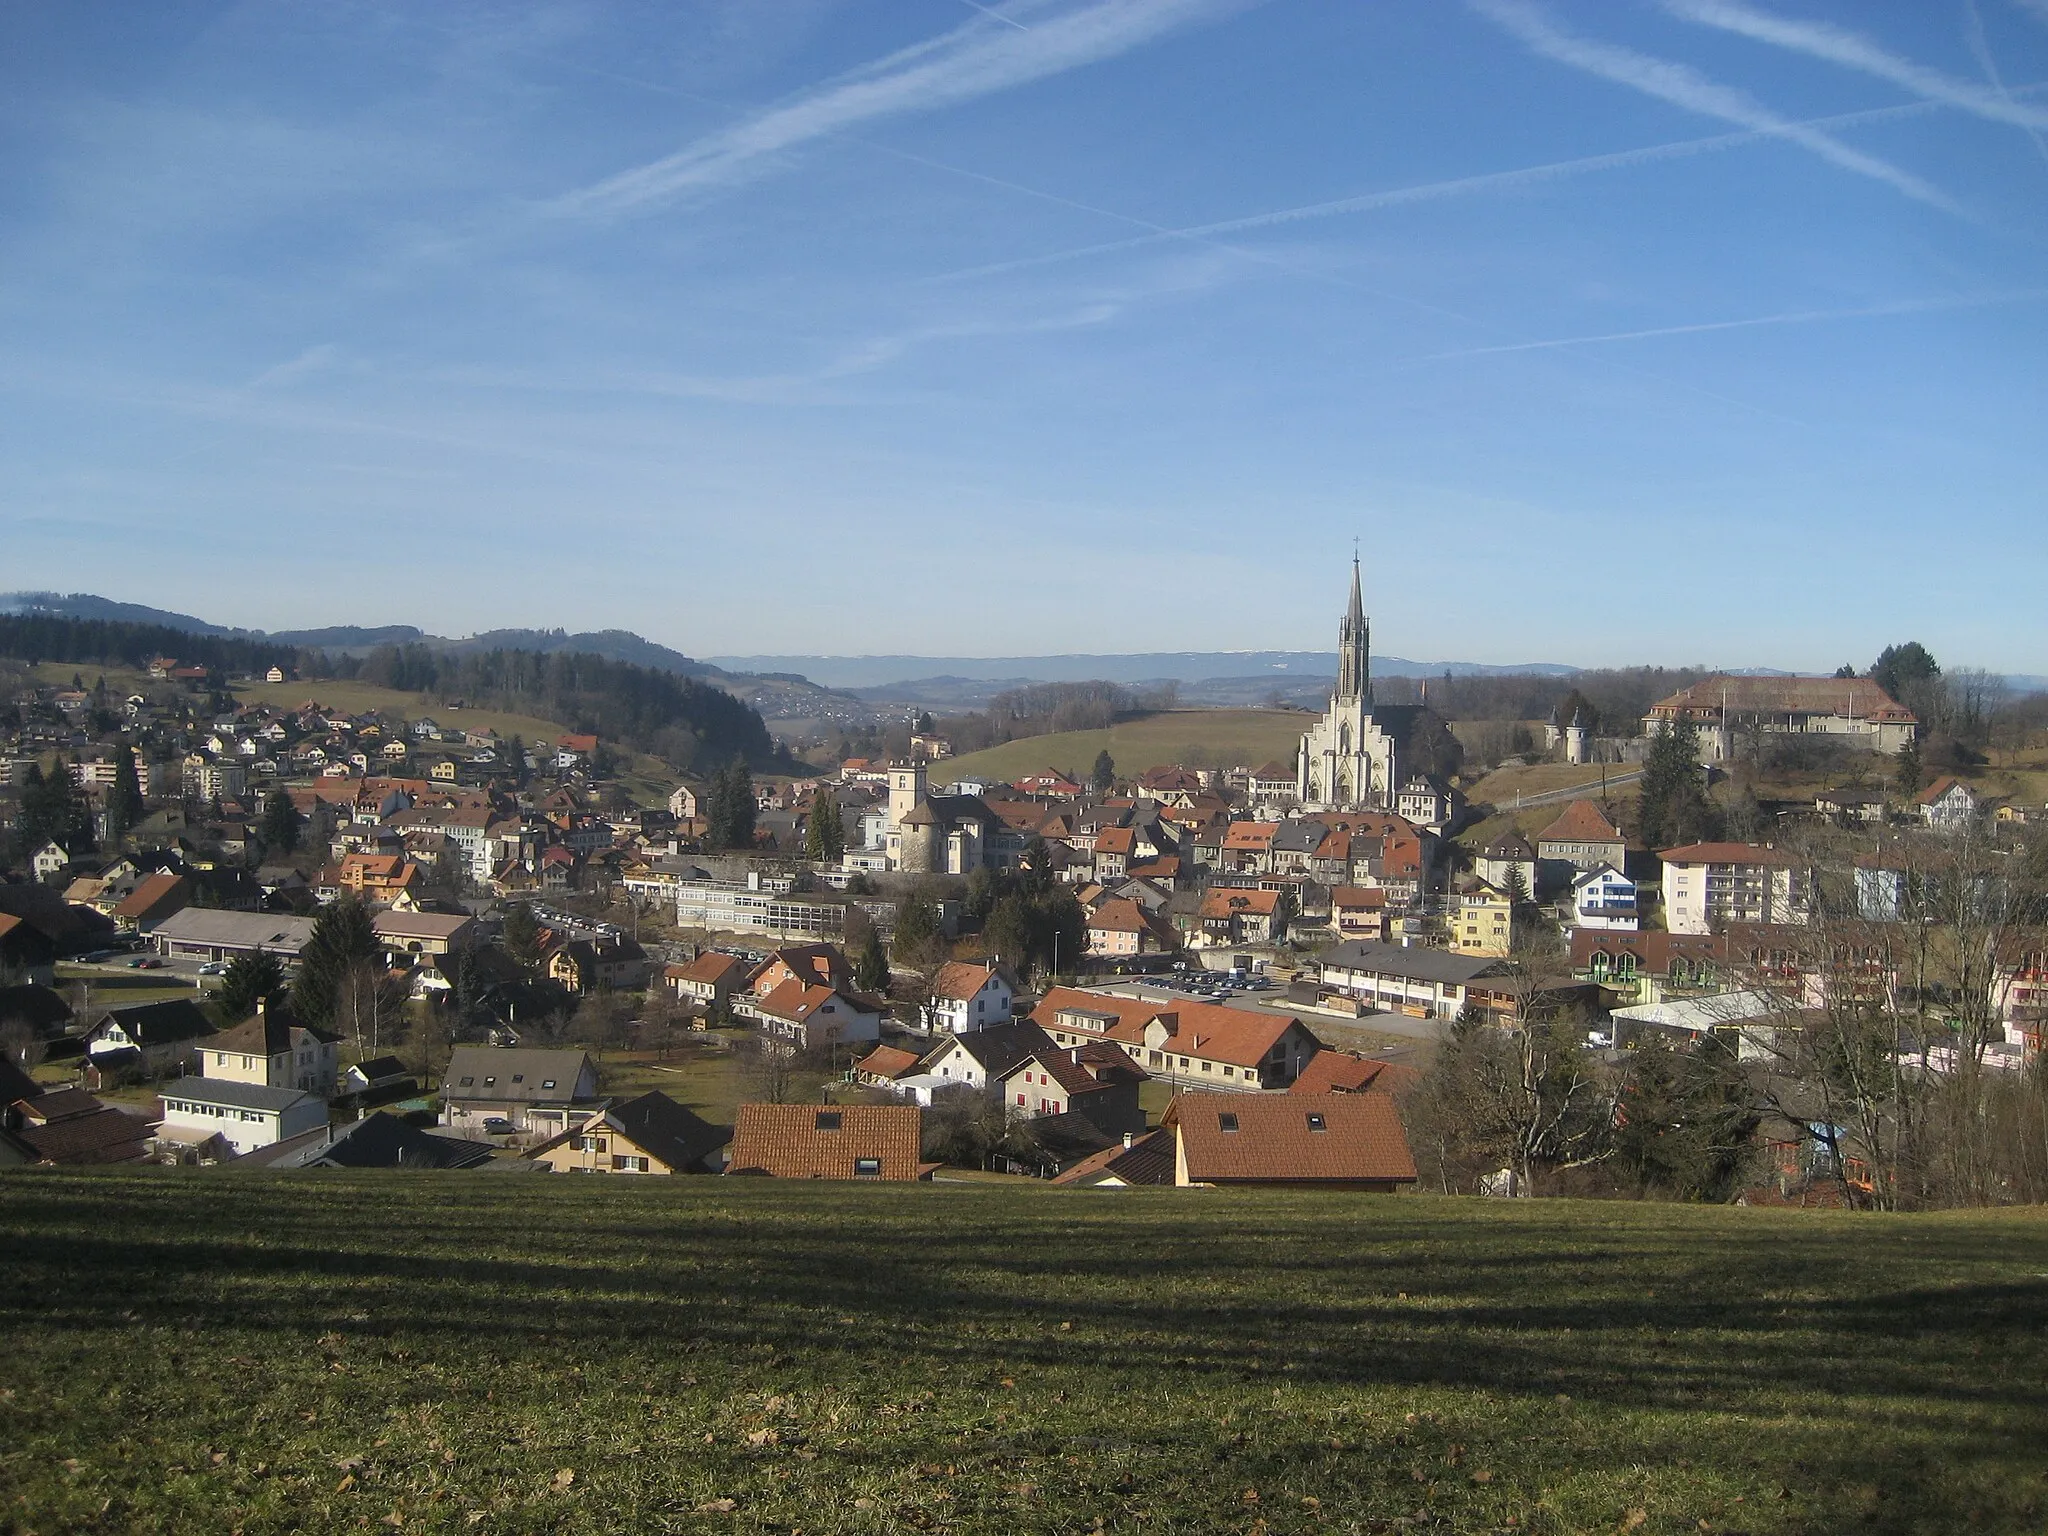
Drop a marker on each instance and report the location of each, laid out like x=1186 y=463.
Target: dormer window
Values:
x=828 y=1120
x=1317 y=1123
x=1226 y=1121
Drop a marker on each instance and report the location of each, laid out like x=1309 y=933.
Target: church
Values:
x=1351 y=759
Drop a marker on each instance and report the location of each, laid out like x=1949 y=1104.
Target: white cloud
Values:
x=971 y=61
x=1683 y=86
x=1851 y=50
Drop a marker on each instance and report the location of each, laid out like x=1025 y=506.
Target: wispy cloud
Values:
x=1683 y=86
x=1851 y=50
x=1791 y=317
x=972 y=61
x=315 y=359
x=1426 y=192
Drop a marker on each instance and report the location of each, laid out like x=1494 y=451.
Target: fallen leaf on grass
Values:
x=1482 y=1477
x=1634 y=1519
x=347 y=1482
x=863 y=1503
x=718 y=1506
x=564 y=1478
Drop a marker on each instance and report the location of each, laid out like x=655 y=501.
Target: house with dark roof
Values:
x=1097 y=1081
x=1348 y=1141
x=68 y=1127
x=811 y=1141
x=149 y=1037
x=274 y=1047
x=982 y=1056
x=650 y=1134
x=376 y=1141
x=1137 y=1160
x=534 y=1090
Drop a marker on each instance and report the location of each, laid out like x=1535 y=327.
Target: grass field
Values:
x=1190 y=737
x=455 y=1353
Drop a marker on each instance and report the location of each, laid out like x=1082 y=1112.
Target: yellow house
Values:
x=650 y=1134
x=1483 y=922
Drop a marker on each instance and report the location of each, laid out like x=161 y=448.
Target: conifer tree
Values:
x=1675 y=809
x=343 y=939
x=1105 y=770
x=124 y=796
x=280 y=826
x=871 y=964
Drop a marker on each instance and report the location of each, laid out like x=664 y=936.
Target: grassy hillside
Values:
x=1191 y=737
x=455 y=1353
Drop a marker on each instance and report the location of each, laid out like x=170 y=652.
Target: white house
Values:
x=978 y=1057
x=968 y=997
x=1948 y=804
x=1604 y=898
x=245 y=1115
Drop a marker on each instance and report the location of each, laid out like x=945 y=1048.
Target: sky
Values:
x=1679 y=331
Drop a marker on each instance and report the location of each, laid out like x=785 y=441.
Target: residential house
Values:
x=1186 y=1044
x=376 y=1141
x=593 y=965
x=245 y=1115
x=1358 y=913
x=967 y=997
x=1482 y=922
x=154 y=898
x=1231 y=916
x=1507 y=856
x=1708 y=886
x=1113 y=851
x=808 y=1141
x=1272 y=784
x=1426 y=803
x=1581 y=839
x=1348 y=1072
x=682 y=803
x=650 y=1134
x=981 y=1056
x=1605 y=898
x=63 y=1127
x=710 y=980
x=1097 y=1081
x=1119 y=926
x=149 y=1038
x=538 y=1091
x=378 y=1073
x=26 y=950
x=274 y=1048
x=1135 y=1162
x=800 y=1016
x=1247 y=846
x=1349 y=1141
x=885 y=1065
x=1048 y=783
x=1648 y=967
x=1948 y=804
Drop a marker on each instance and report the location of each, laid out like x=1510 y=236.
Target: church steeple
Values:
x=1354 y=647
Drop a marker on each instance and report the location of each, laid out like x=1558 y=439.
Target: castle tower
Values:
x=1354 y=648
x=906 y=789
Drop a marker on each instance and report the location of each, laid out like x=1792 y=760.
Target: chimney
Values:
x=1128 y=1139
x=260 y=1002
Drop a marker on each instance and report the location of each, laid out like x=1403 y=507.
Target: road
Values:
x=1572 y=791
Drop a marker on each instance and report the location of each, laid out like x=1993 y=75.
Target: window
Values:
x=867 y=1167
x=548 y=1082
x=518 y=1077
x=1230 y=1071
x=1316 y=1123
x=489 y=1082
x=828 y=1120
x=1226 y=1121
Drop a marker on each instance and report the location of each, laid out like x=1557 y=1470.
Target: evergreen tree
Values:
x=1899 y=667
x=871 y=964
x=716 y=802
x=342 y=940
x=124 y=796
x=1907 y=773
x=824 y=834
x=918 y=935
x=280 y=826
x=740 y=808
x=53 y=810
x=249 y=978
x=1104 y=775
x=1675 y=809
x=521 y=935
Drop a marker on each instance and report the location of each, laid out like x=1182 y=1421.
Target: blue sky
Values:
x=1665 y=330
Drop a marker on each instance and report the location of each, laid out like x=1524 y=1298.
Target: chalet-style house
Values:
x=1948 y=804
x=810 y=1141
x=650 y=1134
x=534 y=1090
x=1350 y=1141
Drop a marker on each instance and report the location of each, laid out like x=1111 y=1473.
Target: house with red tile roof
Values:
x=1231 y=915
x=1579 y=840
x=803 y=1017
x=1120 y=926
x=1347 y=1141
x=1140 y=1160
x=154 y=898
x=967 y=997
x=1348 y=1072
x=1097 y=1081
x=812 y=1141
x=1187 y=1044
x=709 y=980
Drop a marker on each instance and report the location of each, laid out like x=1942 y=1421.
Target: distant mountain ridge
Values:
x=874 y=674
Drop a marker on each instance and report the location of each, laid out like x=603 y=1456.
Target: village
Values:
x=309 y=938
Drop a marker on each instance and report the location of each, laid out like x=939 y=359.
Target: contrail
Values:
x=1683 y=86
x=996 y=15
x=1793 y=317
x=1851 y=50
x=963 y=65
x=1367 y=202
x=1980 y=45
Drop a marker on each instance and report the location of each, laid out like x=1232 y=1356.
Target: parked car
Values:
x=498 y=1125
x=147 y=963
x=214 y=968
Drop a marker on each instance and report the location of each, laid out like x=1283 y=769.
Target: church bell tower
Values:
x=1354 y=648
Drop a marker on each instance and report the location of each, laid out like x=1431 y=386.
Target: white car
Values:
x=214 y=968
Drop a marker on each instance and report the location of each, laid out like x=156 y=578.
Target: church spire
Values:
x=1354 y=646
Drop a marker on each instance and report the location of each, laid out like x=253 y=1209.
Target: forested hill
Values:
x=692 y=724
